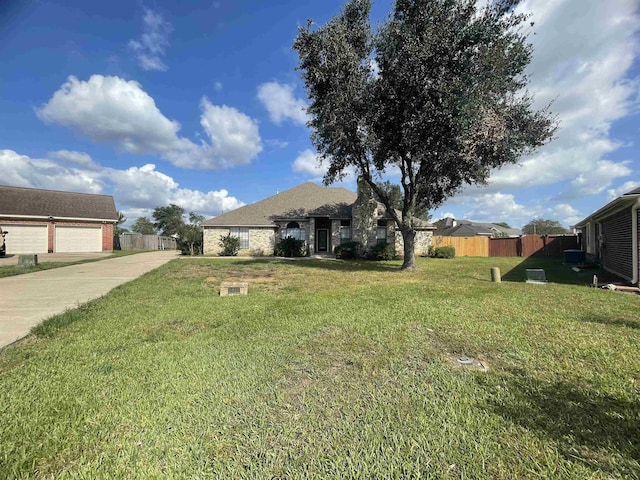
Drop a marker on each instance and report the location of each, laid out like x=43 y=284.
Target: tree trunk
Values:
x=409 y=238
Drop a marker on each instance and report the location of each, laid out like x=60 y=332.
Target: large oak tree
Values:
x=437 y=92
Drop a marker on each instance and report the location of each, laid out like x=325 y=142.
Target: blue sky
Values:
x=198 y=103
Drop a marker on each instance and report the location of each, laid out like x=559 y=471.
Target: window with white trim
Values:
x=381 y=232
x=243 y=234
x=293 y=230
x=345 y=231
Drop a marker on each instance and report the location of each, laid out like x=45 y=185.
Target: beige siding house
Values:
x=324 y=217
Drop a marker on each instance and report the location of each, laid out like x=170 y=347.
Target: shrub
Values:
x=290 y=247
x=348 y=250
x=230 y=246
x=382 y=251
x=442 y=252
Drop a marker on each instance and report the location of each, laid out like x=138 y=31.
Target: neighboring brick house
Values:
x=323 y=217
x=41 y=221
x=612 y=236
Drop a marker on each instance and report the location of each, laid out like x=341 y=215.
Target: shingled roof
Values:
x=35 y=202
x=302 y=201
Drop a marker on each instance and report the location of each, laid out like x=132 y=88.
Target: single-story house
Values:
x=324 y=217
x=41 y=221
x=450 y=227
x=612 y=233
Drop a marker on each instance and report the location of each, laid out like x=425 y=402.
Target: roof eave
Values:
x=614 y=205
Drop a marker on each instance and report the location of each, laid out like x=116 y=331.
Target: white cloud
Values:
x=614 y=193
x=308 y=163
x=79 y=159
x=137 y=190
x=23 y=171
x=234 y=135
x=218 y=86
x=498 y=207
x=273 y=142
x=151 y=46
x=280 y=102
x=583 y=52
x=564 y=213
x=501 y=207
x=118 y=112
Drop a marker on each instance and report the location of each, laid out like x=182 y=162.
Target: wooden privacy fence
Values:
x=144 y=242
x=465 y=246
x=525 y=246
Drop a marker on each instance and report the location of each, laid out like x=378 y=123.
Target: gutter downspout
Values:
x=634 y=240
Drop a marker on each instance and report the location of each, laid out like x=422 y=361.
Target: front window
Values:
x=293 y=230
x=242 y=234
x=345 y=230
x=381 y=232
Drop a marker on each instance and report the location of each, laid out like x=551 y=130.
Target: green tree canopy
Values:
x=191 y=234
x=118 y=228
x=542 y=226
x=144 y=226
x=437 y=92
x=168 y=220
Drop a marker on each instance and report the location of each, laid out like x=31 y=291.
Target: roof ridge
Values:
x=57 y=191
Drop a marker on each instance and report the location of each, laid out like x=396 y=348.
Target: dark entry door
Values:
x=323 y=240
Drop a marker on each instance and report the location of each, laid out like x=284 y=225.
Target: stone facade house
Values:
x=41 y=221
x=324 y=217
x=611 y=235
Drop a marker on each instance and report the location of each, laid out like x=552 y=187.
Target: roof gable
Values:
x=302 y=201
x=20 y=201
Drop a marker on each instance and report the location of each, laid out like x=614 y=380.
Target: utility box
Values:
x=574 y=256
x=28 y=260
x=536 y=275
x=228 y=289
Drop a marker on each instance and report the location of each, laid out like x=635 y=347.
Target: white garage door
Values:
x=78 y=239
x=26 y=239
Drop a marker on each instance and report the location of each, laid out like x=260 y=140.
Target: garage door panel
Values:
x=26 y=238
x=78 y=239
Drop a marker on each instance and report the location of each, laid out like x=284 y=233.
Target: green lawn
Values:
x=329 y=370
x=10 y=270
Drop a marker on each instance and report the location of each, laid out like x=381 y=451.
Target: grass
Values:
x=329 y=370
x=11 y=270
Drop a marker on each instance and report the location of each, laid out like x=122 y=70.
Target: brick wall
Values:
x=107 y=230
x=261 y=241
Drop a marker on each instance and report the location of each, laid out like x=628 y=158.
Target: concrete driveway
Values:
x=26 y=300
x=54 y=257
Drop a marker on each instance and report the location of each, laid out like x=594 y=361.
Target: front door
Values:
x=323 y=239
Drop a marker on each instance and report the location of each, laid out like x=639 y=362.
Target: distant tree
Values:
x=168 y=220
x=437 y=92
x=121 y=219
x=542 y=226
x=143 y=226
x=190 y=235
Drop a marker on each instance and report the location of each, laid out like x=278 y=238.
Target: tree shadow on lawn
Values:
x=325 y=264
x=618 y=322
x=597 y=430
x=556 y=271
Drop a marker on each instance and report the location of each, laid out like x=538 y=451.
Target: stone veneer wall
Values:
x=424 y=239
x=364 y=216
x=261 y=241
